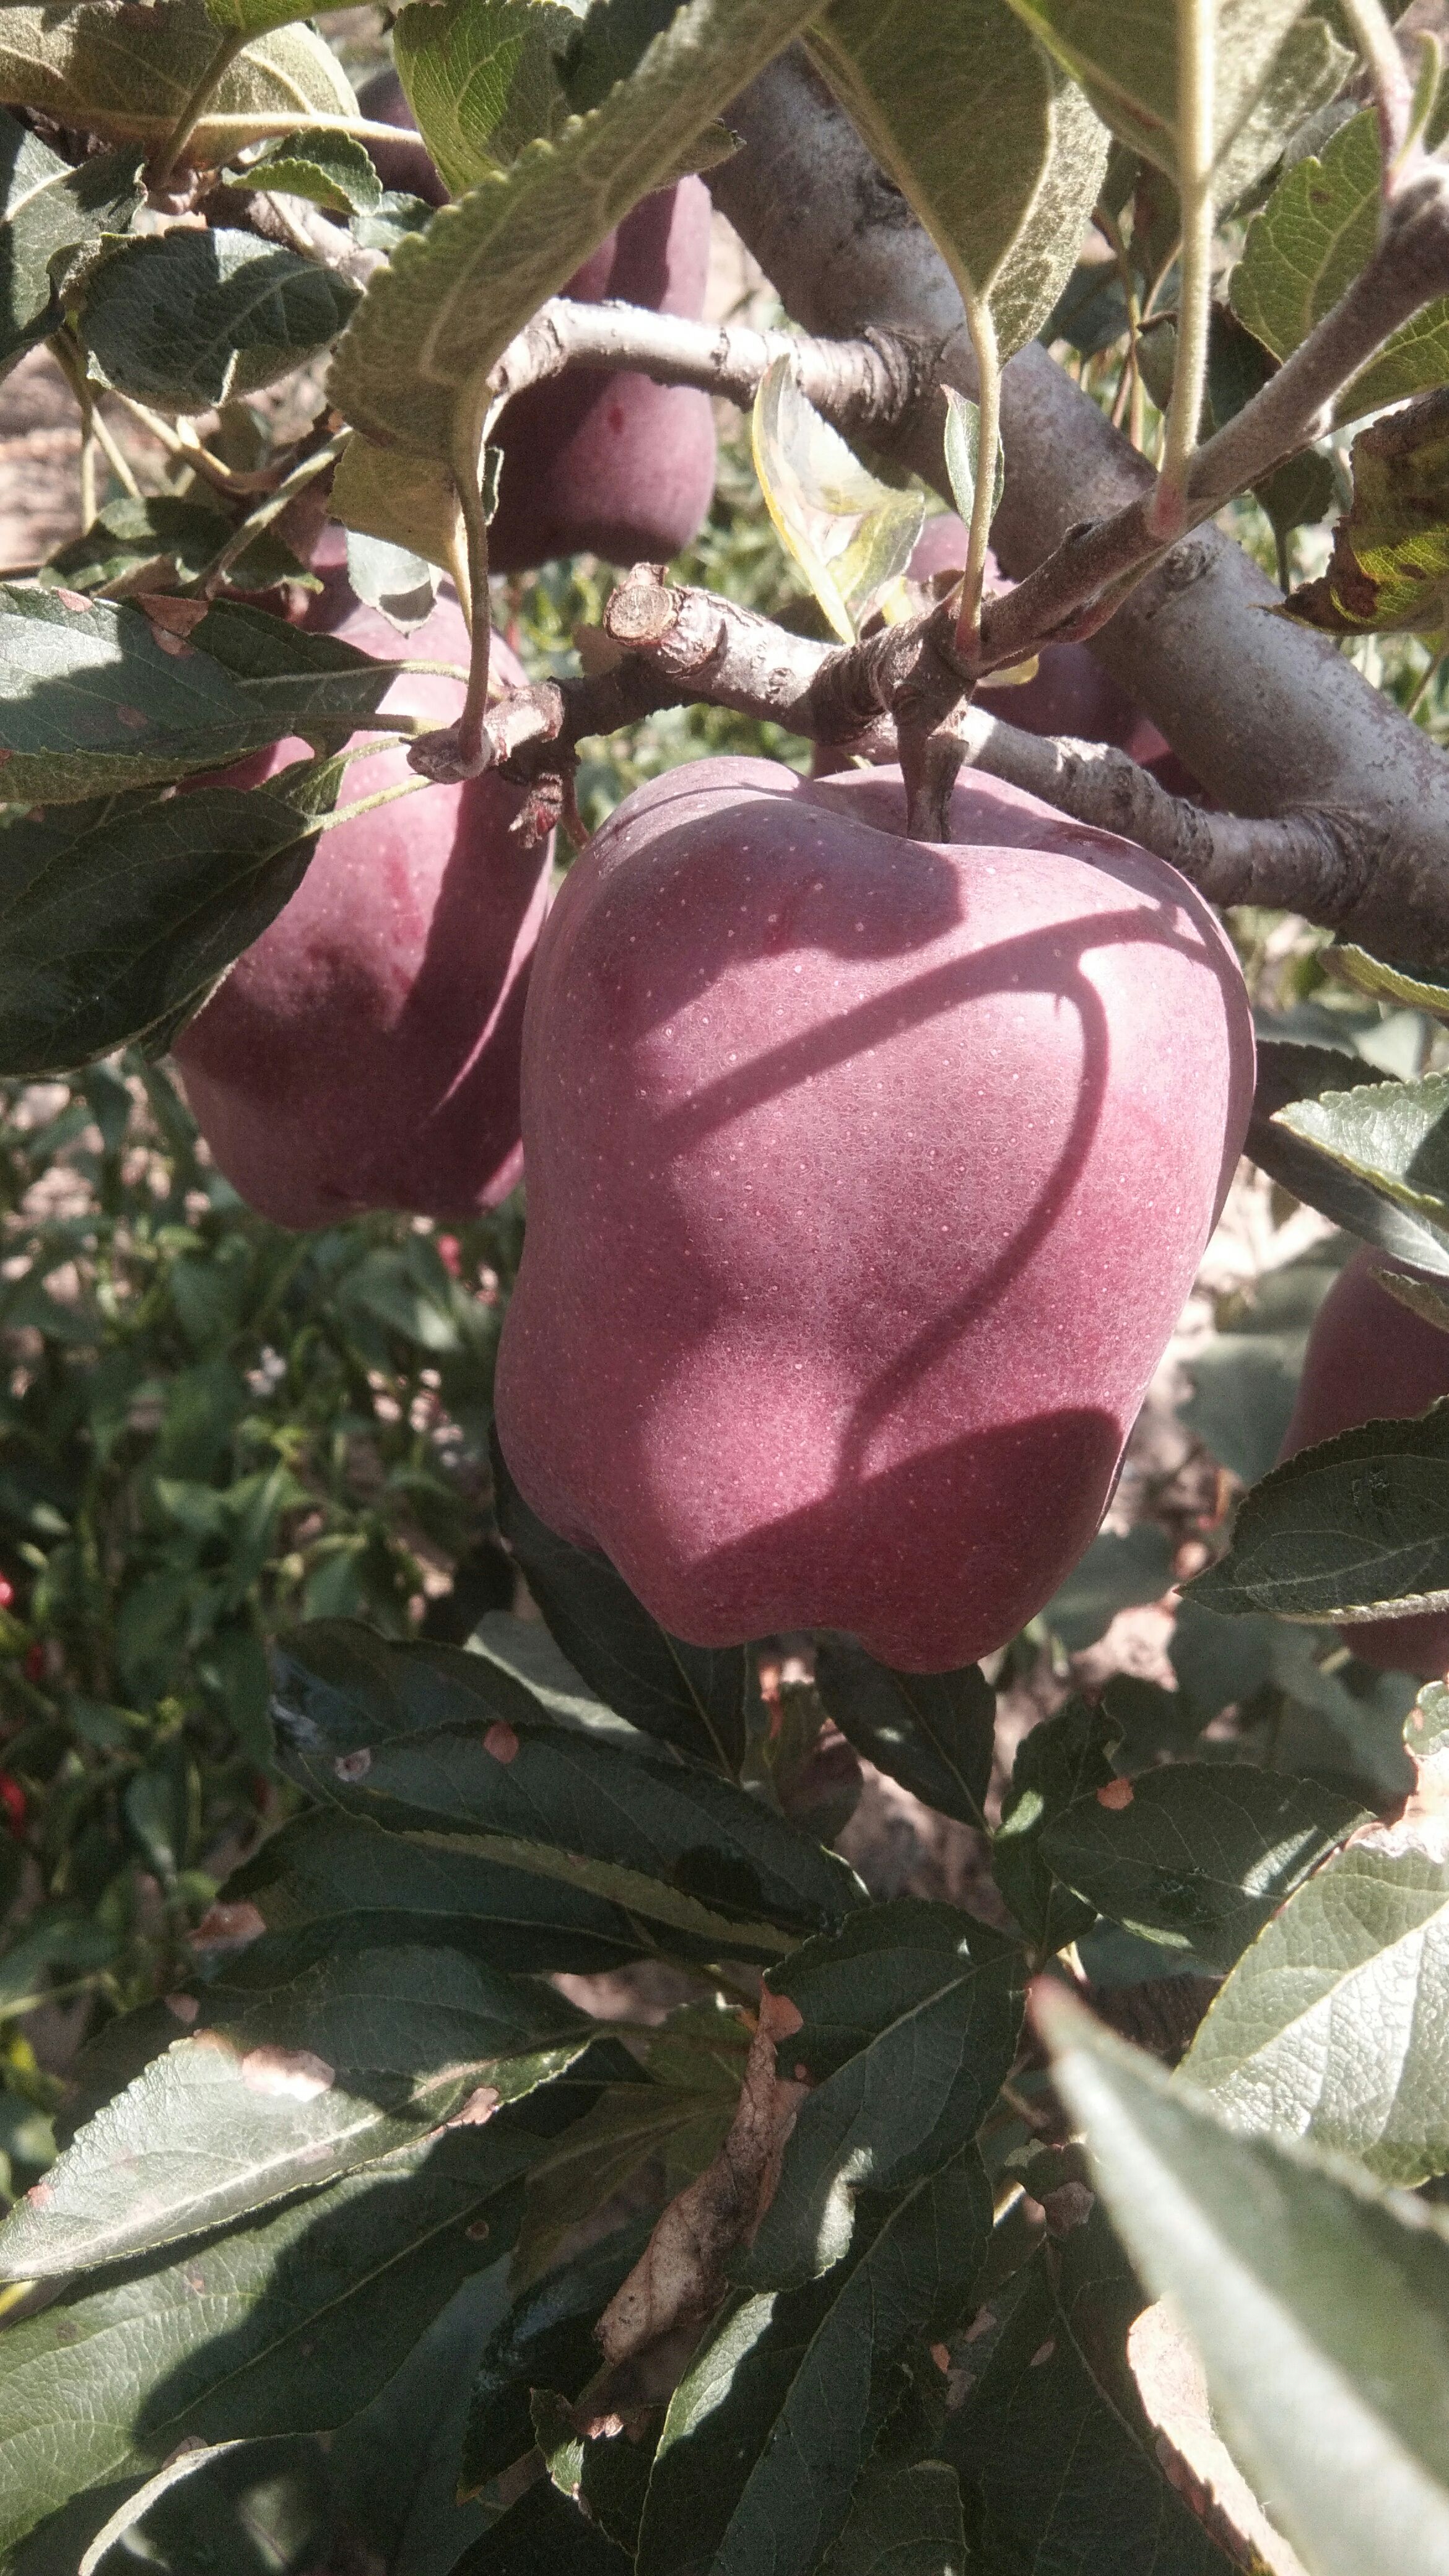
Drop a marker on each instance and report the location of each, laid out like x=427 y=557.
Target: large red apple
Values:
x=594 y=463
x=1369 y=1359
x=866 y=1181
x=364 y=1053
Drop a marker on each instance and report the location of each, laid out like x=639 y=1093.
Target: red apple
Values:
x=364 y=1053
x=1370 y=1359
x=613 y=465
x=866 y=1181
x=594 y=463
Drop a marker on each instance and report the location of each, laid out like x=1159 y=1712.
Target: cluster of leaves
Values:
x=366 y=2129
x=208 y=1426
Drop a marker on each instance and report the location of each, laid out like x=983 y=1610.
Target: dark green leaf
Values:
x=341 y=1688
x=92 y=701
x=189 y=319
x=49 y=210
x=777 y=2413
x=394 y=2467
x=111 y=923
x=287 y=2324
x=1344 y=1531
x=303 y=2066
x=1317 y=2303
x=162 y=537
x=1059 y=1761
x=931 y=1731
x=1199 y=1855
x=698 y=1697
x=330 y=1869
x=542 y=2535
x=910 y=2023
x=629 y=2127
x=545 y=2341
x=1052 y=2447
x=903 y=2522
x=1245 y=1379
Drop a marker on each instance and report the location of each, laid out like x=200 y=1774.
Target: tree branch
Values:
x=1269 y=716
x=871 y=383
x=1294 y=862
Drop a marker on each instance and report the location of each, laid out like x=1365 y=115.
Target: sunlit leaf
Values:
x=49 y=210
x=849 y=532
x=127 y=76
x=188 y=320
x=1389 y=569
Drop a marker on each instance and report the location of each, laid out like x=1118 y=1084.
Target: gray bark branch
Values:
x=1273 y=719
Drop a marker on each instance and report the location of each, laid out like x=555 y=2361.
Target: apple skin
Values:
x=861 y=1199
x=1369 y=1359
x=364 y=1052
x=599 y=464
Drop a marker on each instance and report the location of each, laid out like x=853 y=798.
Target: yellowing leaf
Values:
x=1389 y=569
x=849 y=533
x=408 y=501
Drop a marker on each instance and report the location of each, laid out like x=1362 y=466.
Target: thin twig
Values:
x=210 y=578
x=982 y=328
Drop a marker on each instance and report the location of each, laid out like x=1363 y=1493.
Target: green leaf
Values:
x=1008 y=209
x=158 y=542
x=411 y=368
x=253 y=17
x=1273 y=68
x=482 y=79
x=341 y=1688
x=545 y=2341
x=1389 y=568
x=1058 y=1762
x=1198 y=1855
x=304 y=2065
x=903 y=2522
x=1319 y=2306
x=328 y=1869
x=1245 y=1378
x=1347 y=1530
x=1385 y=983
x=188 y=320
x=50 y=210
x=114 y=922
x=1393 y=1135
x=329 y=169
x=128 y=79
x=1288 y=1072
x=778 y=2411
x=665 y=1837
x=910 y=2023
x=542 y=2535
x=849 y=532
x=1319 y=228
x=934 y=1732
x=705 y=1700
x=286 y=2324
x=404 y=500
x=1052 y=2447
x=1331 y=2027
x=963 y=455
x=92 y=701
x=401 y=585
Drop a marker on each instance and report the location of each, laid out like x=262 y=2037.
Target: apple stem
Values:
x=368 y=804
x=982 y=327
